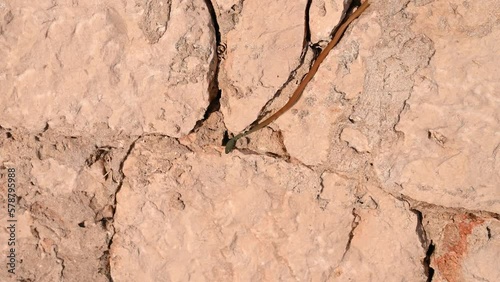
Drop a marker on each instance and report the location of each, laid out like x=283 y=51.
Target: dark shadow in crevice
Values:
x=424 y=241
x=225 y=138
x=355 y=222
x=214 y=93
x=429 y=271
x=422 y=235
x=213 y=88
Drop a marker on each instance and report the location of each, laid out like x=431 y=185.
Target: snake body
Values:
x=300 y=89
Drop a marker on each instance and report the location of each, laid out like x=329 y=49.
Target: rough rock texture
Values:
x=114 y=115
x=451 y=120
x=80 y=64
x=260 y=55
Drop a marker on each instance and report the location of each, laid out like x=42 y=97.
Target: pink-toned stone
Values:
x=355 y=139
x=324 y=16
x=240 y=212
x=308 y=129
x=386 y=169
x=387 y=226
x=262 y=49
x=451 y=125
x=81 y=64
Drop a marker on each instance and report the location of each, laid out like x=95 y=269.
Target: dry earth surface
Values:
x=114 y=115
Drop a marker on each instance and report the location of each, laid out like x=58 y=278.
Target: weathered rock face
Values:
x=451 y=122
x=264 y=46
x=137 y=67
x=113 y=115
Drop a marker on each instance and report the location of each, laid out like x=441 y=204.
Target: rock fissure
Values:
x=355 y=222
x=427 y=244
x=410 y=86
x=429 y=271
x=131 y=147
x=214 y=91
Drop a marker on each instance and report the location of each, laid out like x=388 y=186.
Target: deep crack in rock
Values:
x=429 y=271
x=214 y=92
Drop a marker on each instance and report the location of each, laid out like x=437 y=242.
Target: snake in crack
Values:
x=300 y=89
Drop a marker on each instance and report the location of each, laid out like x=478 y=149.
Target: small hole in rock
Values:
x=225 y=138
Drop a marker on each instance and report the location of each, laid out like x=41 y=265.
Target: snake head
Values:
x=230 y=145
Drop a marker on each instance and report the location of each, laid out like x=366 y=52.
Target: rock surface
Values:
x=262 y=49
x=113 y=115
x=81 y=64
x=451 y=122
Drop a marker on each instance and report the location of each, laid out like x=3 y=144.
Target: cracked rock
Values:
x=115 y=114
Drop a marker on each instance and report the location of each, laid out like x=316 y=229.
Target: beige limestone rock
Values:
x=355 y=139
x=310 y=128
x=242 y=217
x=384 y=235
x=324 y=16
x=247 y=217
x=62 y=207
x=260 y=56
x=451 y=124
x=138 y=68
x=385 y=170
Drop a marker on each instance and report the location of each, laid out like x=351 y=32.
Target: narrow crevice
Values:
x=214 y=106
x=322 y=203
x=348 y=6
x=281 y=141
x=225 y=138
x=104 y=265
x=422 y=235
x=411 y=90
x=296 y=161
x=429 y=271
x=214 y=92
x=354 y=224
x=430 y=206
x=107 y=267
x=425 y=243
x=249 y=152
x=63 y=266
x=321 y=187
x=400 y=134
x=120 y=171
x=307 y=28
